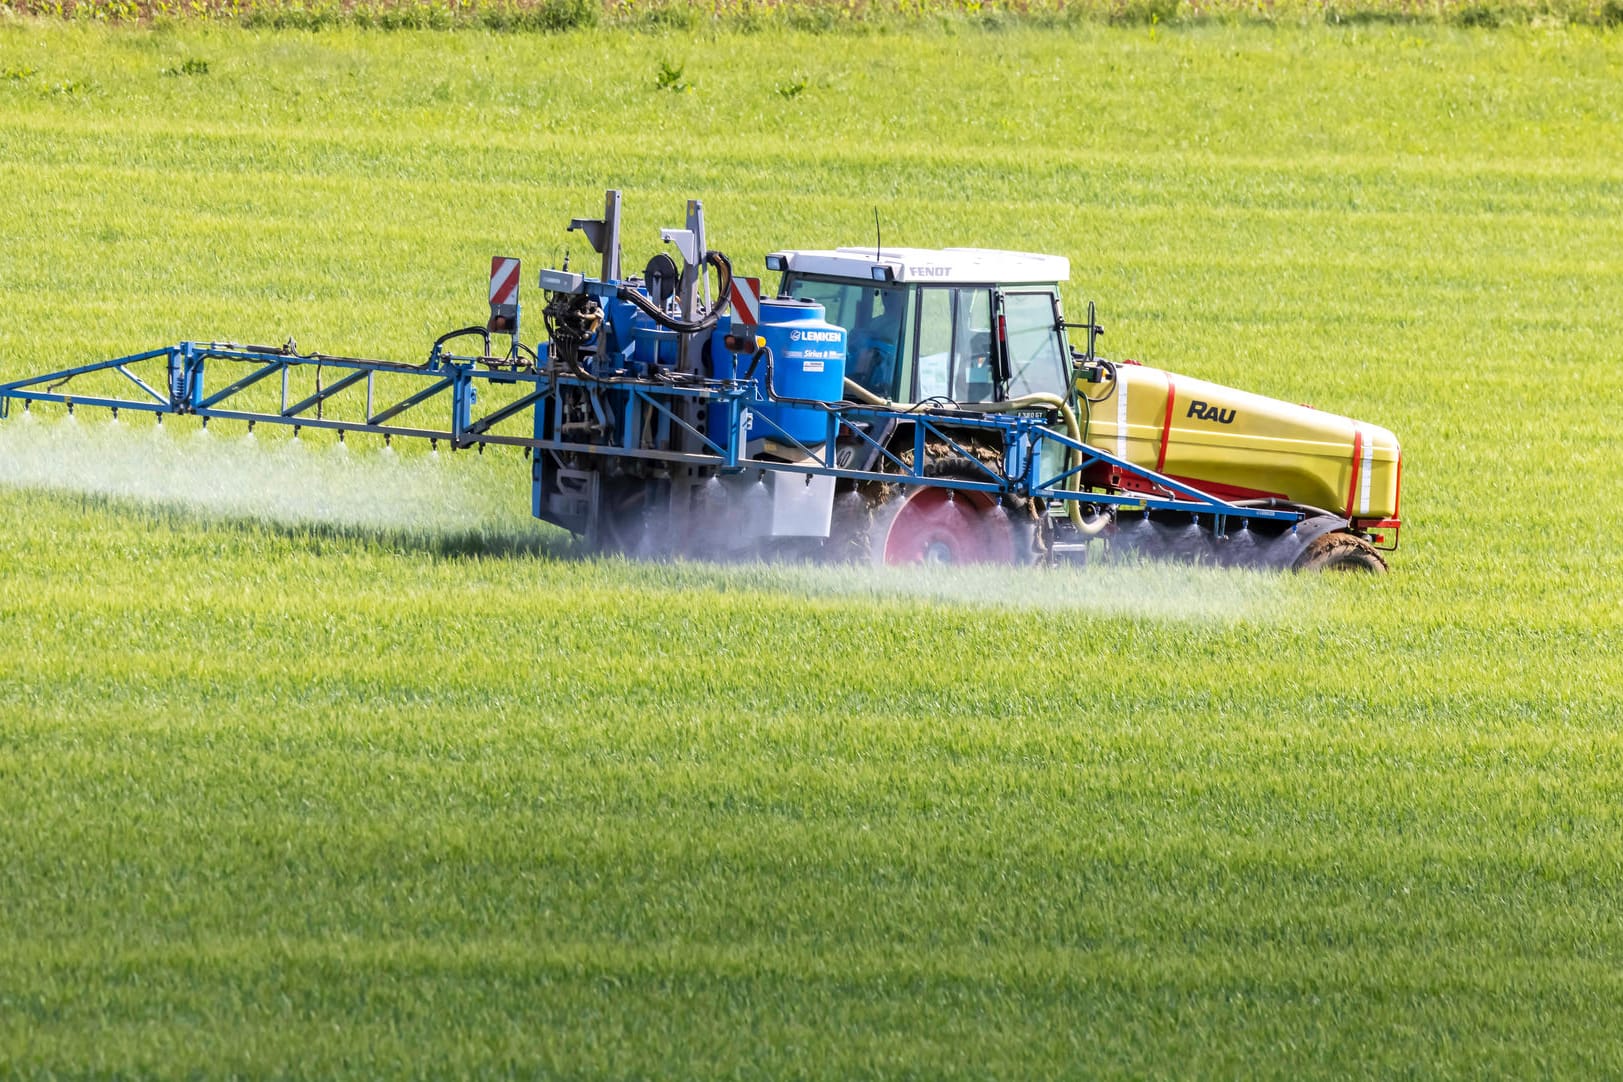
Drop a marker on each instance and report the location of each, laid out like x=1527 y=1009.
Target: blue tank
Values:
x=808 y=362
x=654 y=344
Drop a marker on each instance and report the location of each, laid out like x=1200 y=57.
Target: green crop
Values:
x=819 y=16
x=338 y=766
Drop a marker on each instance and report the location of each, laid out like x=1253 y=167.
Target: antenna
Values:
x=876 y=245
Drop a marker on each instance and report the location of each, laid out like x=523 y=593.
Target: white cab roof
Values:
x=941 y=265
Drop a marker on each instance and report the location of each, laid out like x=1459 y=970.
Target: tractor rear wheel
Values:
x=928 y=525
x=894 y=523
x=1340 y=552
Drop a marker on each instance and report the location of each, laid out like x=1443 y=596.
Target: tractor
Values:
x=884 y=405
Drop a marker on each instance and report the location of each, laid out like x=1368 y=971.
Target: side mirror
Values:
x=1095 y=332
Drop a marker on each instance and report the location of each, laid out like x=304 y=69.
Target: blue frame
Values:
x=458 y=379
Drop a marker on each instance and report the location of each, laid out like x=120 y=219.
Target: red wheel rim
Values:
x=941 y=526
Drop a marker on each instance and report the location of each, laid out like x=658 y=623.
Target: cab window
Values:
x=1036 y=346
x=972 y=379
x=935 y=343
x=955 y=344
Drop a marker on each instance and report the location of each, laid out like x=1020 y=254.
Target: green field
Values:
x=327 y=763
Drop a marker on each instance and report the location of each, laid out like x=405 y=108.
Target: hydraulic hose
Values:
x=724 y=280
x=1073 y=509
x=448 y=335
x=765 y=354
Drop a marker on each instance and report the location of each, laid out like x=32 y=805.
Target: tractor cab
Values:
x=961 y=325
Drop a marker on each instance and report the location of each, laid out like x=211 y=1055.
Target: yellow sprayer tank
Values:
x=1237 y=445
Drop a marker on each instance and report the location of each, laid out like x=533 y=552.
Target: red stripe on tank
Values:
x=1166 y=427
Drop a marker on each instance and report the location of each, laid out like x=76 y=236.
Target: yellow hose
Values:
x=1026 y=401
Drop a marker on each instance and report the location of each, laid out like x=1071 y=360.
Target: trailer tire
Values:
x=1340 y=551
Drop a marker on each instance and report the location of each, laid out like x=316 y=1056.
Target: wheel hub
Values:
x=940 y=526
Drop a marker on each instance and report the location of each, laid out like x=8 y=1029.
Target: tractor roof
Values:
x=936 y=265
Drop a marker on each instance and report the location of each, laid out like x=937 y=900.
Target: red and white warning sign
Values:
x=503 y=280
x=745 y=296
x=503 y=295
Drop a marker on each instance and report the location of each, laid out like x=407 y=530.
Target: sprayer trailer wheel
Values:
x=1340 y=552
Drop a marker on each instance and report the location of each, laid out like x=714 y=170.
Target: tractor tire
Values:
x=1340 y=552
x=881 y=523
x=852 y=524
x=622 y=527
x=927 y=525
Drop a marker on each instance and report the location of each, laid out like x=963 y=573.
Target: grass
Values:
x=819 y=16
x=290 y=793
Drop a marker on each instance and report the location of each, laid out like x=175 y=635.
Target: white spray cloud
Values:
x=296 y=482
x=276 y=479
x=1158 y=591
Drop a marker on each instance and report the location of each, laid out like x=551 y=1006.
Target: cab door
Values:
x=956 y=360
x=1035 y=354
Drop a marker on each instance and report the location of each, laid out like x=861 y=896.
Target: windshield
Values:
x=877 y=319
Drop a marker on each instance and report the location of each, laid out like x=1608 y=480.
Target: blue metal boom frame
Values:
x=546 y=393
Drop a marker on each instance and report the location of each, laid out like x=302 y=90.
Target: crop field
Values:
x=329 y=762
